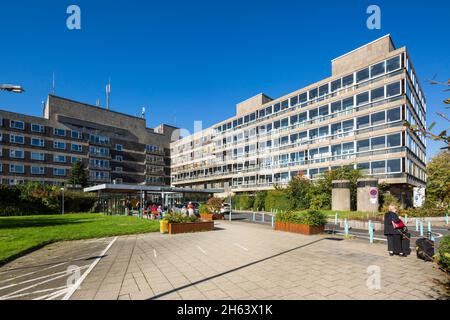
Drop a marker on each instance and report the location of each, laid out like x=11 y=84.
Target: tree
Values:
x=438 y=182
x=78 y=175
x=214 y=205
x=298 y=192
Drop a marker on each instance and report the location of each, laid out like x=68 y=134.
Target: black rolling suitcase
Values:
x=406 y=243
x=425 y=248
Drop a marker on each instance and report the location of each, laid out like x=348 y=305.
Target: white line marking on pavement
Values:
x=32 y=286
x=35 y=292
x=154 y=253
x=49 y=296
x=203 y=251
x=30 y=273
x=239 y=246
x=78 y=283
x=35 y=279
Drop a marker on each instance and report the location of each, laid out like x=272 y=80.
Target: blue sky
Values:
x=194 y=60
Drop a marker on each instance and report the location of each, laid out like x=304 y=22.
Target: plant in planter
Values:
x=213 y=207
x=205 y=214
x=179 y=223
x=306 y=222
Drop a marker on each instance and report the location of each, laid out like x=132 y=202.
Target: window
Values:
x=336 y=106
x=364 y=167
x=393 y=64
x=347 y=125
x=16 y=139
x=336 y=128
x=59 y=145
x=18 y=154
x=59 y=171
x=37 y=156
x=19 y=125
x=16 y=168
x=294 y=101
x=119 y=158
x=347 y=103
x=75 y=159
x=378 y=167
x=363 y=145
x=363 y=122
x=119 y=169
x=105 y=140
x=76 y=135
x=377 y=69
x=294 y=119
x=393 y=89
x=59 y=132
x=37 y=170
x=378 y=118
x=37 y=128
x=348 y=148
x=323 y=111
x=303 y=97
x=284 y=105
x=377 y=94
x=276 y=108
x=77 y=147
x=323 y=90
x=37 y=142
x=394 y=165
x=362 y=98
x=394 y=140
x=285 y=122
x=313 y=133
x=362 y=75
x=378 y=143
x=59 y=158
x=393 y=114
x=314 y=113
x=312 y=94
x=302 y=117
x=336 y=150
x=323 y=131
x=336 y=85
x=347 y=80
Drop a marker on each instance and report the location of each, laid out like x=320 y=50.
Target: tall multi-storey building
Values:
x=353 y=118
x=115 y=147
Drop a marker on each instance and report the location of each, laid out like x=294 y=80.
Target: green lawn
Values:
x=19 y=235
x=354 y=215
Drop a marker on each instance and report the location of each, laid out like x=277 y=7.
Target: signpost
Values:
x=373 y=192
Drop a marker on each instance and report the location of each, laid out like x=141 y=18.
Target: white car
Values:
x=225 y=208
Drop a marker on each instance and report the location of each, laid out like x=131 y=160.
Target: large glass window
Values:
x=347 y=103
x=16 y=168
x=313 y=133
x=20 y=125
x=323 y=131
x=347 y=80
x=284 y=105
x=363 y=122
x=294 y=101
x=336 y=106
x=378 y=143
x=347 y=125
x=393 y=64
x=323 y=111
x=393 y=114
x=348 y=148
x=362 y=75
x=276 y=108
x=362 y=98
x=37 y=128
x=335 y=127
x=313 y=94
x=37 y=142
x=294 y=119
x=363 y=145
x=393 y=89
x=314 y=113
x=336 y=85
x=378 y=118
x=14 y=153
x=377 y=94
x=377 y=69
x=303 y=97
x=364 y=167
x=16 y=139
x=37 y=156
x=394 y=165
x=302 y=117
x=37 y=170
x=378 y=167
x=59 y=132
x=394 y=140
x=323 y=90
x=336 y=150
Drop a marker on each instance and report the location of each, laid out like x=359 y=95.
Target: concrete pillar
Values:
x=367 y=195
x=340 y=200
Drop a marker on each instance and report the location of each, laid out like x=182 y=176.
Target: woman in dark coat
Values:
x=394 y=236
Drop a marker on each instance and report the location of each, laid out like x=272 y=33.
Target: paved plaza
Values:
x=237 y=261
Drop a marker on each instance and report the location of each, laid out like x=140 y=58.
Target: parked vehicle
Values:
x=225 y=209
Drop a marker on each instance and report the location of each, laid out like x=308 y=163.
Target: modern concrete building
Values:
x=115 y=147
x=353 y=118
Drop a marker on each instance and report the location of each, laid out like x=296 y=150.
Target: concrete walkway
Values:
x=248 y=261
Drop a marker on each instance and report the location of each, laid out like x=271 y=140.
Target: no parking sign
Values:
x=373 y=192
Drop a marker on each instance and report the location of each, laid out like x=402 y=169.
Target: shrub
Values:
x=176 y=217
x=203 y=209
x=277 y=200
x=320 y=201
x=214 y=205
x=243 y=201
x=260 y=201
x=388 y=199
x=424 y=212
x=310 y=217
x=443 y=254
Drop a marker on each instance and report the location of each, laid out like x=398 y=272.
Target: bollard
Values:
x=370 y=231
x=346 y=227
x=421 y=228
x=406 y=219
x=446 y=218
x=254 y=216
x=417 y=225
x=429 y=226
x=336 y=221
x=273 y=221
x=263 y=217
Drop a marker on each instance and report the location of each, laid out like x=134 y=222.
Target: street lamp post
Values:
x=11 y=88
x=62 y=205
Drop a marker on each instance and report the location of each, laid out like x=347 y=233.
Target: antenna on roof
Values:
x=53 y=84
x=143 y=113
x=108 y=92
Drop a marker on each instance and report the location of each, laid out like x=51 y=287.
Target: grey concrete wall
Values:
x=340 y=197
x=363 y=195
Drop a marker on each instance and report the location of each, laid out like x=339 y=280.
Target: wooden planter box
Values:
x=211 y=217
x=298 y=228
x=189 y=227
